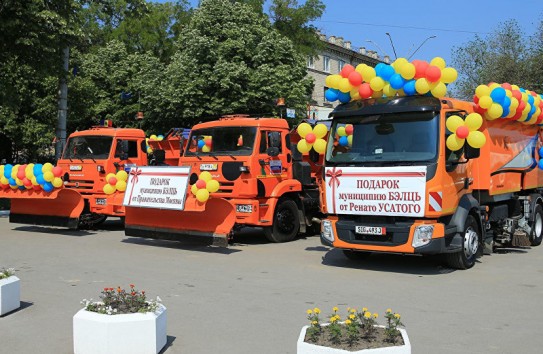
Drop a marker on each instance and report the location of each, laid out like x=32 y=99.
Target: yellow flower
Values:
x=352 y=316
x=353 y=310
x=333 y=319
x=367 y=314
x=397 y=315
x=314 y=323
x=364 y=309
x=389 y=310
x=309 y=312
x=375 y=315
x=348 y=322
x=335 y=309
x=337 y=317
x=317 y=310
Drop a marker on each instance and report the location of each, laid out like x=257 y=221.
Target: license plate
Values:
x=75 y=168
x=208 y=167
x=244 y=208
x=370 y=230
x=100 y=201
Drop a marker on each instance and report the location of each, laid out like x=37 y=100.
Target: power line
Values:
x=403 y=27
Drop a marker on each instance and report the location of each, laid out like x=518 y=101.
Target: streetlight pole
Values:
x=416 y=50
x=392 y=44
x=375 y=44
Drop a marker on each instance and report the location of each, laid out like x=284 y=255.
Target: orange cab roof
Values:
x=130 y=132
x=244 y=121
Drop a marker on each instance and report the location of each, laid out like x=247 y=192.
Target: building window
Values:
x=340 y=65
x=310 y=63
x=326 y=64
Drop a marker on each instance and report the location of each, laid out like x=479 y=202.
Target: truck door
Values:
x=127 y=152
x=272 y=157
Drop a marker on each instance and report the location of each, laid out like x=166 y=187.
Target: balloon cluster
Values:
x=312 y=138
x=206 y=143
x=153 y=138
x=203 y=186
x=44 y=177
x=495 y=101
x=465 y=130
x=540 y=163
x=345 y=135
x=115 y=182
x=402 y=78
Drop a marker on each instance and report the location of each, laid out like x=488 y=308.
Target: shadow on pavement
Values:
x=24 y=305
x=169 y=342
x=388 y=263
x=56 y=231
x=183 y=245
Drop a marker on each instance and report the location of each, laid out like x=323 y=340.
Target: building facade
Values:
x=335 y=54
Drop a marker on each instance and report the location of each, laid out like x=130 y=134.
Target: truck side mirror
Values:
x=143 y=146
x=471 y=152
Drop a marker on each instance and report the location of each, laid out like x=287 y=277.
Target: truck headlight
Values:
x=326 y=230
x=423 y=235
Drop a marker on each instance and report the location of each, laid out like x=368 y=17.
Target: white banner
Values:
x=157 y=187
x=394 y=191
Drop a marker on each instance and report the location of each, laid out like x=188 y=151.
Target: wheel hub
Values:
x=471 y=242
x=538 y=225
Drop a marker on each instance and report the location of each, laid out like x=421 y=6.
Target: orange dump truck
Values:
x=393 y=185
x=89 y=156
x=261 y=180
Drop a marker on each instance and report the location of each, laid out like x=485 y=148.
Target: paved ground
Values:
x=252 y=297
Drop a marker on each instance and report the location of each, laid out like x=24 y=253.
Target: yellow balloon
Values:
x=341 y=131
x=48 y=176
x=493 y=86
x=121 y=175
x=4 y=180
x=153 y=137
x=303 y=146
x=485 y=102
x=14 y=171
x=408 y=71
x=57 y=182
x=47 y=167
x=320 y=130
x=202 y=195
x=399 y=63
x=212 y=186
x=304 y=129
x=439 y=62
x=320 y=146
x=495 y=111
x=377 y=83
x=332 y=81
x=34 y=181
x=344 y=85
x=474 y=121
x=453 y=122
x=108 y=176
x=109 y=189
x=422 y=86
x=439 y=90
x=206 y=148
x=120 y=185
x=482 y=90
x=389 y=91
x=205 y=176
x=360 y=68
x=18 y=182
x=194 y=189
x=454 y=143
x=377 y=94
x=368 y=73
x=350 y=140
x=29 y=173
x=449 y=75
x=476 y=139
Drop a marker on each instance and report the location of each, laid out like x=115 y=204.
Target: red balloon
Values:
x=208 y=142
x=479 y=109
x=507 y=86
x=365 y=90
x=517 y=94
x=200 y=184
x=36 y=188
x=355 y=78
x=310 y=138
x=26 y=182
x=539 y=119
x=57 y=171
x=433 y=73
x=521 y=106
x=475 y=99
x=420 y=68
x=462 y=132
x=21 y=174
x=347 y=70
x=112 y=181
x=349 y=129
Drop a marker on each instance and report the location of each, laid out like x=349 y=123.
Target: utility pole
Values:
x=62 y=105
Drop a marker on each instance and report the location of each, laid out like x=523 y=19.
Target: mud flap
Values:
x=208 y=224
x=61 y=207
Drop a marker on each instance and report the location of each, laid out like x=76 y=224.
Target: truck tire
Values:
x=471 y=247
x=356 y=255
x=537 y=226
x=286 y=222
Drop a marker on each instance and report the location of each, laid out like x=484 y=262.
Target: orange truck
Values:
x=263 y=181
x=89 y=157
x=392 y=185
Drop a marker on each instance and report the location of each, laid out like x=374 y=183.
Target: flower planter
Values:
x=10 y=295
x=308 y=348
x=96 y=333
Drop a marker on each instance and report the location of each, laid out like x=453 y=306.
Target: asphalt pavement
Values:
x=252 y=296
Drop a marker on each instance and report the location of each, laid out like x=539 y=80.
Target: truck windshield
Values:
x=408 y=137
x=88 y=147
x=221 y=141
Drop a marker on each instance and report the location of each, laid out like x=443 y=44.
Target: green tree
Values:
x=241 y=66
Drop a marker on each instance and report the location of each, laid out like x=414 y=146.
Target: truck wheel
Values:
x=471 y=247
x=537 y=233
x=286 y=222
x=356 y=255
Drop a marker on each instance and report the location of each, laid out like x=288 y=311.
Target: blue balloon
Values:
x=39 y=179
x=506 y=102
x=397 y=81
x=7 y=170
x=541 y=151
x=37 y=169
x=505 y=112
x=540 y=164
x=378 y=68
x=344 y=97
x=160 y=137
x=386 y=72
x=409 y=88
x=331 y=95
x=522 y=90
x=12 y=181
x=22 y=188
x=201 y=144
x=531 y=99
x=343 y=141
x=498 y=94
x=48 y=186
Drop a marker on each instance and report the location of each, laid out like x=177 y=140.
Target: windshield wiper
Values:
x=212 y=155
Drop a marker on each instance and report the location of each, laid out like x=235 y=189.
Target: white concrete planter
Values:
x=96 y=333
x=10 y=294
x=308 y=348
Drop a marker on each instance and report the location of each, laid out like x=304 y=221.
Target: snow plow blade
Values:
x=208 y=224
x=61 y=207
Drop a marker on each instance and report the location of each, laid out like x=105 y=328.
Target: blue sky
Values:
x=411 y=22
